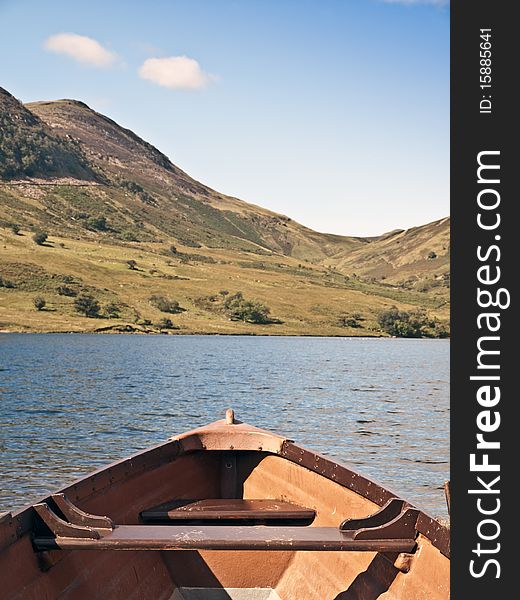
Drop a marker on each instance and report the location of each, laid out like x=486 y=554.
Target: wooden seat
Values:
x=217 y=537
x=223 y=509
x=390 y=529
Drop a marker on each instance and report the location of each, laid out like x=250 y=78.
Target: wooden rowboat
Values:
x=226 y=511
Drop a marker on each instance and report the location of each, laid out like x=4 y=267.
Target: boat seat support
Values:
x=78 y=517
x=395 y=519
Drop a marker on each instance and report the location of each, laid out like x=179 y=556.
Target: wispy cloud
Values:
x=176 y=72
x=81 y=48
x=412 y=2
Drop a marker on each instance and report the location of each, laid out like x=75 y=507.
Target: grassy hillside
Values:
x=106 y=197
x=304 y=299
x=416 y=259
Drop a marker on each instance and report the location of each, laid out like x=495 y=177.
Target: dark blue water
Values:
x=70 y=403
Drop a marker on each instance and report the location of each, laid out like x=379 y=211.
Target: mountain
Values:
x=105 y=197
x=143 y=196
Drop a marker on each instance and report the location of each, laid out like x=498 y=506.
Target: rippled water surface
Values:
x=70 y=403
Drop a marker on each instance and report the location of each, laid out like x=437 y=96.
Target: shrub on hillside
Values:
x=6 y=283
x=131 y=186
x=129 y=236
x=112 y=310
x=97 y=223
x=239 y=308
x=138 y=190
x=15 y=228
x=40 y=237
x=165 y=304
x=65 y=290
x=204 y=302
x=39 y=303
x=425 y=285
x=353 y=320
x=236 y=307
x=400 y=323
x=165 y=324
x=87 y=305
x=442 y=330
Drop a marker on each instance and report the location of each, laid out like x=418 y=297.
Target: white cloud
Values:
x=81 y=48
x=412 y=2
x=176 y=72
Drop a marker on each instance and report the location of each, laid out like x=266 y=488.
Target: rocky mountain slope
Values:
x=142 y=195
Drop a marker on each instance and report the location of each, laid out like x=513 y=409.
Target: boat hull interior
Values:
x=218 y=465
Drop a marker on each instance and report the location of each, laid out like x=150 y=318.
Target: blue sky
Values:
x=335 y=113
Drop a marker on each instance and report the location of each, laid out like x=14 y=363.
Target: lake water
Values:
x=71 y=403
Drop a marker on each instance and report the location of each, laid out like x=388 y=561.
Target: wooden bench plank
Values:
x=228 y=509
x=218 y=537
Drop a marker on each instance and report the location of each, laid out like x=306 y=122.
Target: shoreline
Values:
x=213 y=334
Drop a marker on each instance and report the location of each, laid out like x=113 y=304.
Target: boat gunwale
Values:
x=15 y=525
